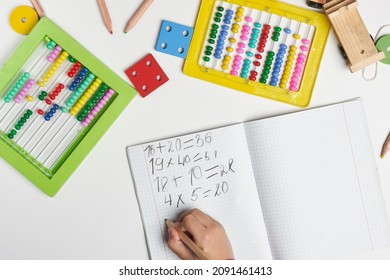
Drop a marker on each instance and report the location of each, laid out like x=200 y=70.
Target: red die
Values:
x=146 y=75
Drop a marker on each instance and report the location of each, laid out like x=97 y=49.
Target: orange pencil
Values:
x=386 y=147
x=138 y=14
x=188 y=241
x=105 y=14
x=38 y=8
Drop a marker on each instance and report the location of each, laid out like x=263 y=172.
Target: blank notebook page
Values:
x=209 y=170
x=318 y=184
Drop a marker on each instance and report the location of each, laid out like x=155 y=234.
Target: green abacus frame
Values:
x=89 y=137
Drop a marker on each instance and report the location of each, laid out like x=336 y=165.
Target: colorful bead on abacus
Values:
x=20 y=124
x=53 y=69
x=221 y=38
x=252 y=44
x=299 y=66
x=226 y=62
x=278 y=64
x=40 y=112
x=56 y=92
x=80 y=90
x=267 y=67
x=92 y=103
x=218 y=14
x=270 y=57
x=24 y=91
x=54 y=54
x=239 y=14
x=95 y=111
x=242 y=45
x=51 y=45
x=288 y=65
x=78 y=79
x=42 y=95
x=86 y=96
x=263 y=38
x=53 y=110
x=17 y=87
x=279 y=60
x=75 y=68
x=236 y=65
x=260 y=50
x=213 y=35
x=228 y=16
x=30 y=98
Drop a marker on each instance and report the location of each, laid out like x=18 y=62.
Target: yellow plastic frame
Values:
x=300 y=98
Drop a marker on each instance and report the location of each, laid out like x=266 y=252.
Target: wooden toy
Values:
x=147 y=75
x=316 y=3
x=56 y=101
x=352 y=33
x=174 y=39
x=266 y=48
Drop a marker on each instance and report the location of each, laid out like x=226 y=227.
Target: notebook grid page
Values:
x=211 y=171
x=307 y=175
x=372 y=197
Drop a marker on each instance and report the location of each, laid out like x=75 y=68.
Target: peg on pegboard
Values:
x=174 y=39
x=147 y=75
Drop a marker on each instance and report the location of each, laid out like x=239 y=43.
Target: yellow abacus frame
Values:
x=300 y=98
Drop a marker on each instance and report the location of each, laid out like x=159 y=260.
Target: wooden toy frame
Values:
x=52 y=180
x=352 y=33
x=300 y=98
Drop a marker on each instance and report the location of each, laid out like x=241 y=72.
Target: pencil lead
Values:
x=111 y=32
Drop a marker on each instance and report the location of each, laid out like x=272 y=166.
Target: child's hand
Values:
x=206 y=232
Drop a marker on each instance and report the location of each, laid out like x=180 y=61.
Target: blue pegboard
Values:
x=174 y=39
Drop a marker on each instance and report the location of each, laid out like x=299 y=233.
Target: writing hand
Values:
x=206 y=232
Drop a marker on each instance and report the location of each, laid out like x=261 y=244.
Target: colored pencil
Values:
x=105 y=14
x=386 y=147
x=38 y=8
x=138 y=14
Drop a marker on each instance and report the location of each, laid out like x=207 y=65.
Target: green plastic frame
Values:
x=88 y=139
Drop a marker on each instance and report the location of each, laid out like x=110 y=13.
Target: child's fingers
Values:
x=178 y=247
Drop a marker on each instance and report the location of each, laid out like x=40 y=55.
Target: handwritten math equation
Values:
x=187 y=169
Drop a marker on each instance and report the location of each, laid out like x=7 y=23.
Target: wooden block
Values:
x=352 y=34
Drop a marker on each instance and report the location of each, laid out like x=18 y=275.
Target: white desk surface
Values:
x=96 y=215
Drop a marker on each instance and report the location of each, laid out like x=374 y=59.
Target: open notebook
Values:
x=297 y=186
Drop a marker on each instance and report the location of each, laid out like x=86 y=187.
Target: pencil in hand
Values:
x=106 y=15
x=188 y=241
x=138 y=14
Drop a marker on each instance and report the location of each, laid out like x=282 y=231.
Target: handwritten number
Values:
x=194 y=196
x=169 y=199
x=199 y=141
x=178 y=144
x=150 y=150
x=208 y=138
x=195 y=173
x=161 y=184
x=170 y=150
x=221 y=188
